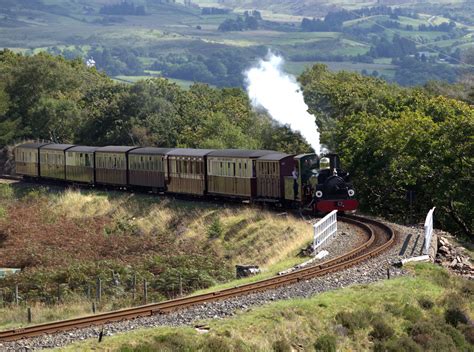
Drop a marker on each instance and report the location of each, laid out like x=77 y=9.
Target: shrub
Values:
x=467 y=289
x=281 y=346
x=457 y=337
x=6 y=191
x=177 y=341
x=455 y=316
x=425 y=303
x=381 y=330
x=468 y=331
x=430 y=337
x=215 y=343
x=215 y=229
x=354 y=320
x=411 y=313
x=326 y=343
x=401 y=344
x=394 y=309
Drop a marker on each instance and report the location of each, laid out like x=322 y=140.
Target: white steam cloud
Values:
x=279 y=93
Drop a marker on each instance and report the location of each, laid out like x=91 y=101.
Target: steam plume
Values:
x=279 y=93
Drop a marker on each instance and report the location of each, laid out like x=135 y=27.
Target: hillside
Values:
x=64 y=240
x=193 y=43
x=425 y=312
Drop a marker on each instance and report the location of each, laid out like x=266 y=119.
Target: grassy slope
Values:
x=51 y=231
x=300 y=322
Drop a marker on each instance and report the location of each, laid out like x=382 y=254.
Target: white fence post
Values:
x=428 y=231
x=324 y=229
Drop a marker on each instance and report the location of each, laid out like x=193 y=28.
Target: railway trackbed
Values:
x=379 y=238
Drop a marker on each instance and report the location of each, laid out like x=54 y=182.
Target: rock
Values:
x=453 y=263
x=444 y=249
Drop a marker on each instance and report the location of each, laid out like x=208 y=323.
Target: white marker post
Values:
x=428 y=231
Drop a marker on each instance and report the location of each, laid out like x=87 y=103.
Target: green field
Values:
x=176 y=29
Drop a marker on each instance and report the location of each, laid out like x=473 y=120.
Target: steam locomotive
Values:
x=305 y=180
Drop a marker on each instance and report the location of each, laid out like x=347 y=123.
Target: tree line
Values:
x=396 y=140
x=52 y=98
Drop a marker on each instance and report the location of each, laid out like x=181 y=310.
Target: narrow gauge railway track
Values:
x=379 y=238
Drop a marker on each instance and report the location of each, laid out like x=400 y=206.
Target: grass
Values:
x=369 y=314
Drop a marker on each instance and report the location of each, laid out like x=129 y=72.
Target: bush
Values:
x=457 y=337
x=468 y=331
x=467 y=289
x=411 y=313
x=6 y=191
x=401 y=344
x=282 y=346
x=215 y=343
x=354 y=320
x=431 y=337
x=326 y=343
x=455 y=316
x=381 y=330
x=425 y=303
x=394 y=309
x=215 y=229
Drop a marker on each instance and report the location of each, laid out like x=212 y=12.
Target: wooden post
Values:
x=59 y=292
x=99 y=289
x=88 y=291
x=145 y=291
x=180 y=286
x=1 y=298
x=93 y=307
x=388 y=273
x=134 y=286
x=29 y=314
x=17 y=298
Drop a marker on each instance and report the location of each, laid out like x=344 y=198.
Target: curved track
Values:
x=379 y=238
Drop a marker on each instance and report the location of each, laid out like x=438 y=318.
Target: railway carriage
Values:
x=147 y=167
x=187 y=171
x=80 y=164
x=232 y=172
x=111 y=165
x=271 y=172
x=27 y=159
x=53 y=161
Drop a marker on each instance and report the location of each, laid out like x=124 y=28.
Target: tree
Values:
x=393 y=140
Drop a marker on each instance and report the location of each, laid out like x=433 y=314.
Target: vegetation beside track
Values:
x=65 y=239
x=426 y=311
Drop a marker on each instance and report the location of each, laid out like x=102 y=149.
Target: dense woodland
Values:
x=392 y=139
x=48 y=97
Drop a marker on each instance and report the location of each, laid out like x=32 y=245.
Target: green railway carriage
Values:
x=53 y=161
x=27 y=159
x=80 y=164
x=187 y=171
x=111 y=165
x=271 y=172
x=232 y=172
x=147 y=167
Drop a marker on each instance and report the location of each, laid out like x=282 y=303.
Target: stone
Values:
x=444 y=249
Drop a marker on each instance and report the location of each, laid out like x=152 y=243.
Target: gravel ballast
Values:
x=408 y=244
